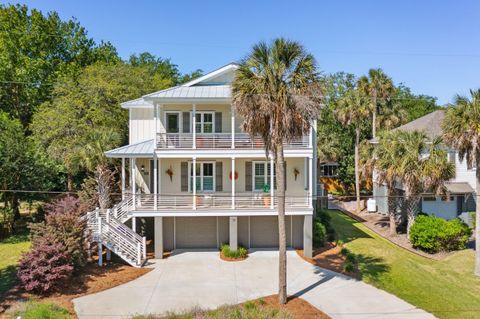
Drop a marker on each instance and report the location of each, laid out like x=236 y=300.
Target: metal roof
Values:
x=459 y=188
x=141 y=149
x=193 y=92
x=140 y=102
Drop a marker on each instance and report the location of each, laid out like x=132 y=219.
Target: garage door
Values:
x=196 y=232
x=263 y=231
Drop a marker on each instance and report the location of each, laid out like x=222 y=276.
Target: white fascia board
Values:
x=212 y=74
x=188 y=100
x=212 y=213
x=227 y=153
x=129 y=155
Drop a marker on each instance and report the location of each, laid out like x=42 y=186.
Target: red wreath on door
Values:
x=236 y=175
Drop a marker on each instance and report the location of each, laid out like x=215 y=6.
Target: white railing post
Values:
x=233 y=126
x=144 y=244
x=123 y=178
x=99 y=241
x=194 y=190
x=155 y=181
x=139 y=254
x=108 y=216
x=115 y=211
x=272 y=187
x=194 y=126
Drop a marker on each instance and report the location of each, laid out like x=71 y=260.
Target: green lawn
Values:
x=10 y=252
x=445 y=288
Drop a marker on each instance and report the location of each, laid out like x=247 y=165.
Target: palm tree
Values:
x=353 y=109
x=461 y=131
x=92 y=158
x=421 y=165
x=273 y=93
x=377 y=85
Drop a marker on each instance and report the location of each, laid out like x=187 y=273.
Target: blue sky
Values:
x=431 y=46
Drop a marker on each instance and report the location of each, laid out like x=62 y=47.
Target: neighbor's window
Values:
x=429 y=199
x=329 y=170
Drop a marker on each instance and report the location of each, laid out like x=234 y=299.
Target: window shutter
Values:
x=218 y=176
x=186 y=122
x=184 y=177
x=285 y=172
x=218 y=122
x=248 y=176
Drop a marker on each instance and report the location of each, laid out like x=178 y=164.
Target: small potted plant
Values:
x=266 y=195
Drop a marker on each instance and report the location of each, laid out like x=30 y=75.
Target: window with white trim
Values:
x=205 y=176
x=261 y=175
x=204 y=122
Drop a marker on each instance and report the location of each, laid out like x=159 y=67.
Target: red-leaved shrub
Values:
x=63 y=221
x=46 y=266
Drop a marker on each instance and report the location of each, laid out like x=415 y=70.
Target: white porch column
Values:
x=233 y=233
x=123 y=178
x=310 y=137
x=194 y=125
x=233 y=182
x=158 y=228
x=155 y=182
x=194 y=183
x=310 y=182
x=134 y=181
x=307 y=235
x=233 y=126
x=272 y=186
x=155 y=119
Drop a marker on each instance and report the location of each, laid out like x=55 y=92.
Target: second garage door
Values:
x=263 y=231
x=196 y=232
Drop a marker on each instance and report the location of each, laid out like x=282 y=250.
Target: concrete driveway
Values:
x=200 y=279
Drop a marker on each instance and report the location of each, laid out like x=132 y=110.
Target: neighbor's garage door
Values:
x=196 y=232
x=263 y=231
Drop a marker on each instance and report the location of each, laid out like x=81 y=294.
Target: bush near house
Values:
x=240 y=253
x=46 y=267
x=322 y=229
x=433 y=234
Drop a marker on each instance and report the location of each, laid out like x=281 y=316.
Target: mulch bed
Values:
x=224 y=258
x=328 y=257
x=92 y=279
x=380 y=225
x=296 y=307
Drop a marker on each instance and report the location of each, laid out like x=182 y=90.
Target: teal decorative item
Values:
x=266 y=188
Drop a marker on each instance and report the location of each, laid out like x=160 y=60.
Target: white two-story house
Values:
x=197 y=181
x=460 y=191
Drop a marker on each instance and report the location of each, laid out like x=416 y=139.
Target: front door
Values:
x=173 y=122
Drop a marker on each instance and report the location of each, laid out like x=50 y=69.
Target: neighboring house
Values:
x=198 y=181
x=460 y=191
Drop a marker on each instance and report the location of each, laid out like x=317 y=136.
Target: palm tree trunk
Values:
x=412 y=202
x=282 y=241
x=69 y=182
x=392 y=207
x=374 y=114
x=477 y=221
x=357 y=171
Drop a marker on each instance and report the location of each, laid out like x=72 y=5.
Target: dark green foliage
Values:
x=351 y=258
x=64 y=224
x=319 y=233
x=240 y=253
x=344 y=251
x=325 y=219
x=433 y=234
x=36 y=310
x=349 y=266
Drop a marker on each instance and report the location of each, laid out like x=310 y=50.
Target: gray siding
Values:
x=223 y=230
x=196 y=232
x=168 y=233
x=242 y=223
x=297 y=227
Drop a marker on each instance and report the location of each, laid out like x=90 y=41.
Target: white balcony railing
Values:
x=213 y=201
x=219 y=141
